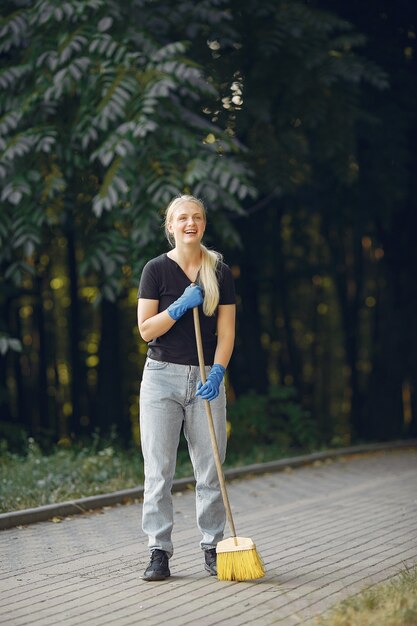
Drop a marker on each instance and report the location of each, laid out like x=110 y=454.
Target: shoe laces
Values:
x=158 y=555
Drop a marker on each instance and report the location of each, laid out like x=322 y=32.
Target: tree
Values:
x=302 y=80
x=386 y=195
x=100 y=127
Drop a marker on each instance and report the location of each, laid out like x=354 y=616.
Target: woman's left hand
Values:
x=211 y=387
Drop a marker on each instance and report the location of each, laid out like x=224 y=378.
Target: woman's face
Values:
x=187 y=224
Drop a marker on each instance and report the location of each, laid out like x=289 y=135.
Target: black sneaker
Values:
x=158 y=566
x=210 y=557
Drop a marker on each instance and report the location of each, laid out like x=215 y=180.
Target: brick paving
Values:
x=325 y=531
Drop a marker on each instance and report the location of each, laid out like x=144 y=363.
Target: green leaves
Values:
x=14 y=191
x=301 y=92
x=11 y=76
x=13 y=30
x=100 y=122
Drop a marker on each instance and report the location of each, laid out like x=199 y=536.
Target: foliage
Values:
x=275 y=419
x=100 y=126
x=392 y=603
x=37 y=479
x=301 y=90
x=328 y=125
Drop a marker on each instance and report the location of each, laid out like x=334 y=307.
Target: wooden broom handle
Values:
x=211 y=424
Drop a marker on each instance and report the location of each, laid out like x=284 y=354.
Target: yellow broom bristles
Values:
x=237 y=559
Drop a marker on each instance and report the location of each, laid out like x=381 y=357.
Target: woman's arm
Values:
x=151 y=323
x=225 y=333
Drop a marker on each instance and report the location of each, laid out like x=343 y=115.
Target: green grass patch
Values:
x=65 y=473
x=392 y=603
x=36 y=479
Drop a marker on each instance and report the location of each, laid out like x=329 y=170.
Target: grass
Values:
x=393 y=603
x=36 y=479
x=66 y=473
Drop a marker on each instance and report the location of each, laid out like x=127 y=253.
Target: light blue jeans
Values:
x=167 y=402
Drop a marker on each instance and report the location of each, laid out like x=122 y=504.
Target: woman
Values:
x=171 y=392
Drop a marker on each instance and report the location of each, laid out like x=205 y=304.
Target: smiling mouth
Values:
x=190 y=232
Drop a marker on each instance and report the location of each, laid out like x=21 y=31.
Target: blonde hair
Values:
x=209 y=258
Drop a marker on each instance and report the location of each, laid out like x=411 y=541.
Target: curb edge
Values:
x=82 y=505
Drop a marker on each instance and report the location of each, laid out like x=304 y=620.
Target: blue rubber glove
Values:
x=211 y=387
x=192 y=296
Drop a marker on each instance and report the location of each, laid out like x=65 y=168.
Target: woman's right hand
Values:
x=192 y=297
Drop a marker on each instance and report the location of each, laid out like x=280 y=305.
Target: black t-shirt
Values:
x=163 y=279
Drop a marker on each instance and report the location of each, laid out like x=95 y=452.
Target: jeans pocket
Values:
x=151 y=364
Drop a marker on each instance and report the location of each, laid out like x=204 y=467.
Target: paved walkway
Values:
x=324 y=532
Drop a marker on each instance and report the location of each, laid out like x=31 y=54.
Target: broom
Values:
x=237 y=558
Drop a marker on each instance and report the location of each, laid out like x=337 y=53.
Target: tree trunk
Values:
x=24 y=413
x=5 y=399
x=47 y=422
x=395 y=357
x=248 y=368
x=109 y=392
x=75 y=426
x=281 y=287
x=348 y=274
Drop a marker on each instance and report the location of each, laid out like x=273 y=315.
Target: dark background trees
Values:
x=295 y=122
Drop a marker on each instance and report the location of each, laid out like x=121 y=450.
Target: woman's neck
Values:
x=188 y=260
x=186 y=257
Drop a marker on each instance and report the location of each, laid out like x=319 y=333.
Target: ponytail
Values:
x=208 y=279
